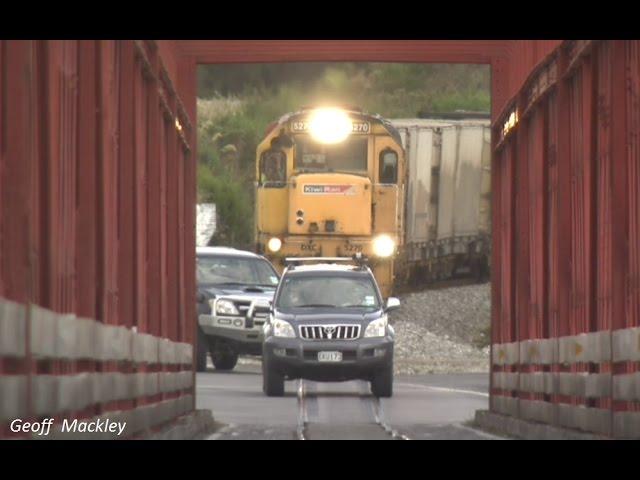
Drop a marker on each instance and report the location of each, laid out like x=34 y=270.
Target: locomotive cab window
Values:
x=388 y=167
x=273 y=169
x=347 y=156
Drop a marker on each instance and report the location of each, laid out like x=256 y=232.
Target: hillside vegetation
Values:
x=237 y=102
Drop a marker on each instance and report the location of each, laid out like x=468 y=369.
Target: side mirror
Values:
x=392 y=304
x=200 y=297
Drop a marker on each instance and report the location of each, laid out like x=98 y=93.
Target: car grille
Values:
x=260 y=314
x=329 y=332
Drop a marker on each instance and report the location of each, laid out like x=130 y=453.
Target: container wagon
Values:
x=448 y=189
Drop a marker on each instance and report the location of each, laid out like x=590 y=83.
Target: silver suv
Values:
x=234 y=289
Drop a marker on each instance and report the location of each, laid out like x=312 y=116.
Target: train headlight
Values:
x=329 y=125
x=274 y=244
x=383 y=246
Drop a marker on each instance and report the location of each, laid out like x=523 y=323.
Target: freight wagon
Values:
x=448 y=190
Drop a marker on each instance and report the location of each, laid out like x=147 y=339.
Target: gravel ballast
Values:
x=438 y=331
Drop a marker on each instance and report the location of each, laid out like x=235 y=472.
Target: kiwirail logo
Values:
x=43 y=428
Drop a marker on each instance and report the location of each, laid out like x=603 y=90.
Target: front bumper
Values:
x=297 y=358
x=232 y=328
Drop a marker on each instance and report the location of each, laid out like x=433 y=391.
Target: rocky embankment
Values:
x=443 y=330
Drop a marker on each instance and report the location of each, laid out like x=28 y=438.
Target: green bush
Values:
x=234 y=207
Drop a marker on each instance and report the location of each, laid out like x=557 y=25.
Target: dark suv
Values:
x=328 y=322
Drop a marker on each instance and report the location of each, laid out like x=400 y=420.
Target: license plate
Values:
x=329 y=356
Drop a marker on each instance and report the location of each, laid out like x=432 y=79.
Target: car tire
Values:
x=382 y=382
x=201 y=353
x=272 y=381
x=223 y=358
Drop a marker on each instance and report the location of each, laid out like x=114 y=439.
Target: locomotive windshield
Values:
x=347 y=156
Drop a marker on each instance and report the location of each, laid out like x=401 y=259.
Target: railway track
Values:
x=368 y=416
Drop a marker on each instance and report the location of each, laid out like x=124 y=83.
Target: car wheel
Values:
x=223 y=357
x=272 y=381
x=201 y=353
x=382 y=382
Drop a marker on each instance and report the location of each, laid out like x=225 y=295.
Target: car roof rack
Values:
x=358 y=258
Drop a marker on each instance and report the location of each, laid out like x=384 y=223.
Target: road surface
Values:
x=423 y=407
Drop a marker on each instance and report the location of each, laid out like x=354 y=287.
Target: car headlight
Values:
x=282 y=329
x=383 y=246
x=377 y=328
x=225 y=307
x=274 y=244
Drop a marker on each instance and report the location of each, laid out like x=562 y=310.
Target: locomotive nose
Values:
x=330 y=204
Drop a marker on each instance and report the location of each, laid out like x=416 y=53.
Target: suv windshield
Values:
x=327 y=291
x=212 y=269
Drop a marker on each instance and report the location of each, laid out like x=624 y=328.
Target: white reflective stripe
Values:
x=627 y=386
x=594 y=347
x=186 y=353
x=537 y=410
x=626 y=425
x=527 y=351
x=86 y=338
x=595 y=420
x=594 y=385
x=548 y=349
x=599 y=347
x=74 y=392
x=626 y=345
x=12 y=329
x=187 y=380
x=44 y=394
x=166 y=381
x=116 y=342
x=505 y=353
x=512 y=353
x=67 y=337
x=573 y=349
x=504 y=405
x=62 y=393
x=572 y=384
x=167 y=352
x=598 y=385
x=536 y=382
x=173 y=381
x=13 y=399
x=151 y=386
x=537 y=351
x=139 y=348
x=44 y=327
x=505 y=380
x=151 y=348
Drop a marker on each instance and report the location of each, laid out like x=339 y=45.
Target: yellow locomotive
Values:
x=330 y=183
